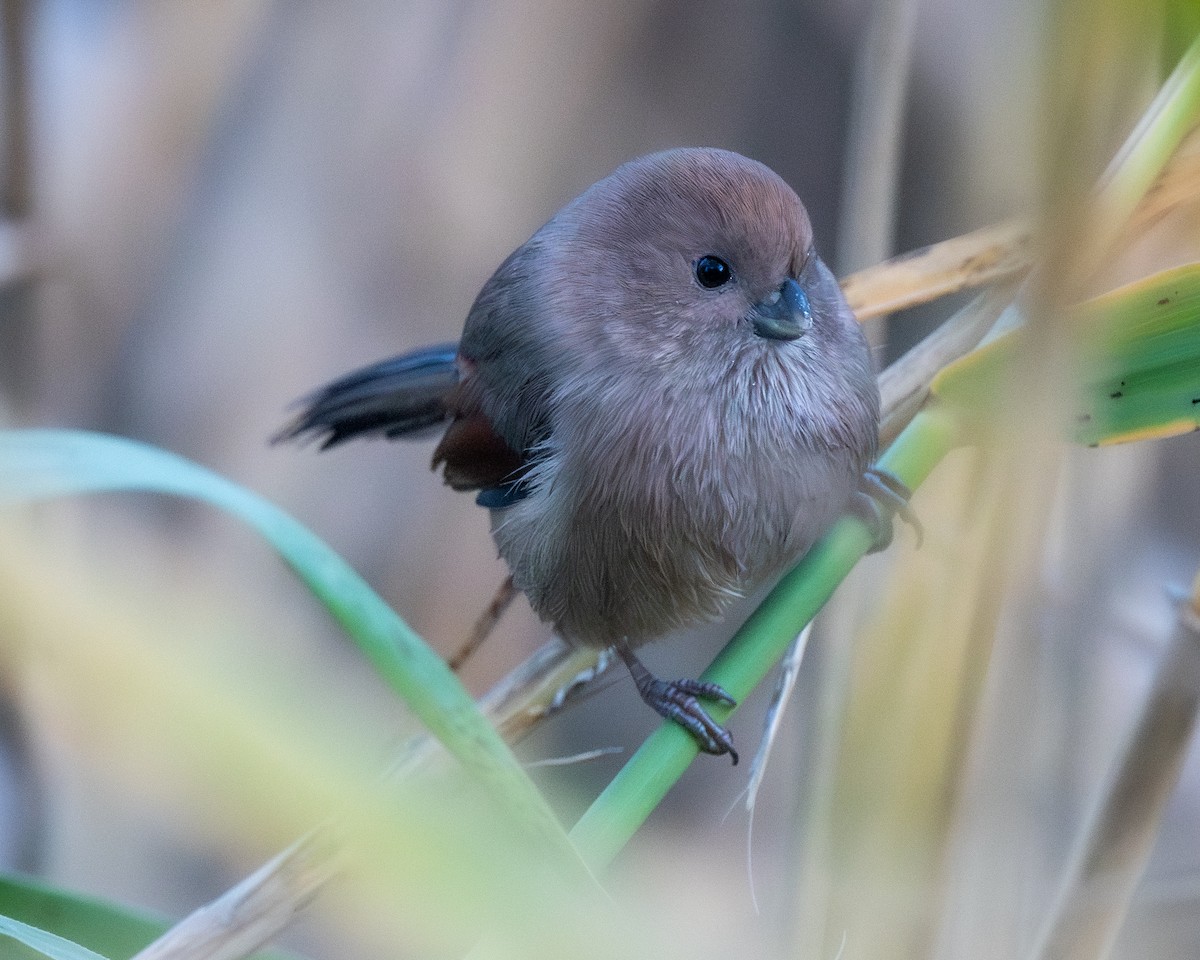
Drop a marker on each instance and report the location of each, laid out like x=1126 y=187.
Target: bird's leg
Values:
x=677 y=701
x=880 y=497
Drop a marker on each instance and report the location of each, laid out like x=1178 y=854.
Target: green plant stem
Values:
x=629 y=799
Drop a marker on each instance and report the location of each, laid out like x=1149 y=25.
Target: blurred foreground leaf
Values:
x=41 y=464
x=113 y=931
x=85 y=923
x=42 y=942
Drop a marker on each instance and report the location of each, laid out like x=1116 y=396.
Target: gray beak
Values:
x=785 y=315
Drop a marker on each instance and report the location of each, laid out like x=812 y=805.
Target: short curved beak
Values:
x=785 y=315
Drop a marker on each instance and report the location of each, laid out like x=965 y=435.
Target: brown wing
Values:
x=473 y=456
x=490 y=446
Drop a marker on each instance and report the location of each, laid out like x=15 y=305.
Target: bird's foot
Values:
x=880 y=498
x=678 y=700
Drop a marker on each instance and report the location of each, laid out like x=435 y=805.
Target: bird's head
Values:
x=696 y=247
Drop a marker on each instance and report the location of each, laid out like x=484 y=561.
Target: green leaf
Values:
x=43 y=942
x=87 y=923
x=1181 y=26
x=1141 y=359
x=112 y=931
x=40 y=464
x=1138 y=354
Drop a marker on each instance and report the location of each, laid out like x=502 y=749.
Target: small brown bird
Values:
x=662 y=398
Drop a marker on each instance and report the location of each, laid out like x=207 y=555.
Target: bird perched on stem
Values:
x=662 y=399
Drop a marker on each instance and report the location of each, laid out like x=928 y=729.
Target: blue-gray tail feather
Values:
x=401 y=397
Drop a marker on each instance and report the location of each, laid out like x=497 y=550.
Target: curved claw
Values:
x=880 y=497
x=707 y=690
x=677 y=700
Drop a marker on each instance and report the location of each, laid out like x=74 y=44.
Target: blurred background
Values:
x=210 y=209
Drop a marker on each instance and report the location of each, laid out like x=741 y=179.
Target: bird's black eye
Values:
x=712 y=272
